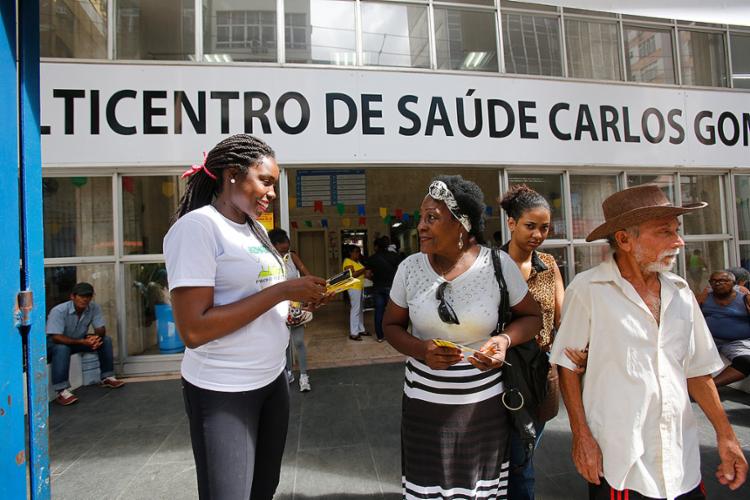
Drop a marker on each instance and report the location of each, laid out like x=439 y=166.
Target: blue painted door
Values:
x=24 y=458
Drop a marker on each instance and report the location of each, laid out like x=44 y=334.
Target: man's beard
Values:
x=658 y=266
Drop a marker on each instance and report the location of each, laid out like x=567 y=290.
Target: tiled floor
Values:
x=343 y=443
x=328 y=344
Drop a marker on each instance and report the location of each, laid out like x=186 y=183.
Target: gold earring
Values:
x=460 y=241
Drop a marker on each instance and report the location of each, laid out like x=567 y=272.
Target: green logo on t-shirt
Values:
x=257 y=249
x=270 y=272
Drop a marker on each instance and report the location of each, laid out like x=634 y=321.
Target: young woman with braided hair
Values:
x=230 y=301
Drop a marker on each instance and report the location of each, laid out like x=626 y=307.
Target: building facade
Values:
x=364 y=102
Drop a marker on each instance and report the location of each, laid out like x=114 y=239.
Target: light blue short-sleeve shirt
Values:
x=63 y=320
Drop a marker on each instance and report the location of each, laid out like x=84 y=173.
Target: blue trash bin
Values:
x=169 y=339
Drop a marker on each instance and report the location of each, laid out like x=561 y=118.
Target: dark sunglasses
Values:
x=445 y=311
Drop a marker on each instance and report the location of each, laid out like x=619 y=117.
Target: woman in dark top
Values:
x=529 y=223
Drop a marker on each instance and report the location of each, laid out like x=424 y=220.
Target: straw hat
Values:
x=635 y=205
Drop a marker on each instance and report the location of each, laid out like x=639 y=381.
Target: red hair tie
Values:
x=196 y=168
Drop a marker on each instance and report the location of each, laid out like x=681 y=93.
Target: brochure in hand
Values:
x=340 y=282
x=448 y=343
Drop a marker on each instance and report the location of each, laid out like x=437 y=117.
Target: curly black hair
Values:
x=470 y=200
x=521 y=198
x=278 y=235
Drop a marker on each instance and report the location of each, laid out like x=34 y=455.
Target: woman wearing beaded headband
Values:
x=454 y=429
x=230 y=300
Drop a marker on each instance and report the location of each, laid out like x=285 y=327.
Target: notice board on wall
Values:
x=347 y=186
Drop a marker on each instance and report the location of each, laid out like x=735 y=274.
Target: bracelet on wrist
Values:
x=507 y=337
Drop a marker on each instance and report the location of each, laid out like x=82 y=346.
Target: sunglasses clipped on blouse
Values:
x=445 y=310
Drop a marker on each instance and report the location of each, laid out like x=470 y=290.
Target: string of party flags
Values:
x=388 y=216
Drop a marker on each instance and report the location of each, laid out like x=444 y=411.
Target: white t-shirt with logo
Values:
x=204 y=248
x=474 y=296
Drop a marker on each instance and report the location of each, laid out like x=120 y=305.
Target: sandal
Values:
x=355 y=337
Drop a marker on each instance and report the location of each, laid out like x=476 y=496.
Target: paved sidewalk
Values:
x=133 y=443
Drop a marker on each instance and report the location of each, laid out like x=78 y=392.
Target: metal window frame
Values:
x=416 y=3
x=620 y=44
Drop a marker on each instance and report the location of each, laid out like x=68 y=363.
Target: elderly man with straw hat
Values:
x=649 y=352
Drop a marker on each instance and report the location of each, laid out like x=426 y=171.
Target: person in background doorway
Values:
x=649 y=353
x=727 y=314
x=294 y=269
x=454 y=427
x=230 y=299
x=529 y=224
x=352 y=257
x=383 y=265
x=68 y=333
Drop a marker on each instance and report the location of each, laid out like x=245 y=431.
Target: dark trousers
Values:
x=59 y=358
x=521 y=481
x=238 y=439
x=605 y=492
x=381 y=296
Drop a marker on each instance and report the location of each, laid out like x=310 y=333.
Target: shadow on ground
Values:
x=343 y=443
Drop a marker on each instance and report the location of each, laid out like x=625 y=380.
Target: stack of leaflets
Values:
x=340 y=282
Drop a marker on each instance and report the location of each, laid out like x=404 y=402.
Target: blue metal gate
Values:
x=24 y=457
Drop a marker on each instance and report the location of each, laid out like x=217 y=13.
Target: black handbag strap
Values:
x=504 y=312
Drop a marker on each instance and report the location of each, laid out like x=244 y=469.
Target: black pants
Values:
x=238 y=439
x=606 y=492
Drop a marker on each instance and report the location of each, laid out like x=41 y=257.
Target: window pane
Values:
x=251 y=26
x=695 y=188
x=551 y=187
x=146 y=303
x=648 y=55
x=587 y=192
x=701 y=259
x=77 y=216
x=740 y=60
x=324 y=32
x=531 y=44
x=745 y=256
x=465 y=39
x=593 y=49
x=561 y=257
x=148 y=204
x=73 y=28
x=742 y=190
x=395 y=35
x=155 y=30
x=702 y=59
x=590 y=256
x=59 y=281
x=664 y=181
x=489 y=3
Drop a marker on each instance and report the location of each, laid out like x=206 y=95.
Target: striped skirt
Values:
x=454 y=433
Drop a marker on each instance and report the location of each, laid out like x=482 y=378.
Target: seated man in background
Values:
x=727 y=314
x=68 y=333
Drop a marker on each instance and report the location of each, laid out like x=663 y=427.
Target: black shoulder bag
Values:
x=524 y=376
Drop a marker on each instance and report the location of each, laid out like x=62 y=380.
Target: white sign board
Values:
x=147 y=115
